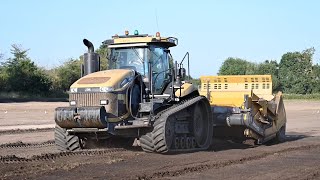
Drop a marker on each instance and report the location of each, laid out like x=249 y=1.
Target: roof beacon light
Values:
x=157 y=34
x=126 y=32
x=136 y=32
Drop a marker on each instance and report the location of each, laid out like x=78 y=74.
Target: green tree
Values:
x=104 y=55
x=22 y=75
x=270 y=68
x=195 y=81
x=316 y=78
x=295 y=72
x=236 y=66
x=70 y=71
x=3 y=78
x=67 y=74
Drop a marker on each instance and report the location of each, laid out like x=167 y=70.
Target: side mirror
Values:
x=182 y=72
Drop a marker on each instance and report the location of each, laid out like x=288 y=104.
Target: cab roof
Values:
x=124 y=40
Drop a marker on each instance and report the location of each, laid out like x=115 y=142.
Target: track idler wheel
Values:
x=202 y=124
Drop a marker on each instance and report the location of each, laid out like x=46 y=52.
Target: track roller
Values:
x=177 y=143
x=182 y=143
x=188 y=143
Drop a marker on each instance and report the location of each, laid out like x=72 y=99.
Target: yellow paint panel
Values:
x=113 y=78
x=237 y=78
x=170 y=42
x=132 y=40
x=187 y=88
x=230 y=90
x=259 y=84
x=232 y=99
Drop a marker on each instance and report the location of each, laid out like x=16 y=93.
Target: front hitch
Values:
x=81 y=117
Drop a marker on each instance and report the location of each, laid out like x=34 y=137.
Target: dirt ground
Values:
x=31 y=154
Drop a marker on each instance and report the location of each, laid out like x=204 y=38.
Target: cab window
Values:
x=160 y=68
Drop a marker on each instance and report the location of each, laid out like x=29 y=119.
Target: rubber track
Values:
x=160 y=120
x=64 y=141
x=172 y=108
x=147 y=140
x=207 y=166
x=26 y=145
x=52 y=156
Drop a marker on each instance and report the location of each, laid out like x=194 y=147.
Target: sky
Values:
x=210 y=31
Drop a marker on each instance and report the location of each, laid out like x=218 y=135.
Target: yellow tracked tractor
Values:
x=145 y=96
x=142 y=95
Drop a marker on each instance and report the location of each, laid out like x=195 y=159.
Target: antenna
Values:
x=156 y=13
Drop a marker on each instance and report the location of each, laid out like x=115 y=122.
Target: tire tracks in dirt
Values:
x=21 y=131
x=21 y=144
x=52 y=156
x=217 y=165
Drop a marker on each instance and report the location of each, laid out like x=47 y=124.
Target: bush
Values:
x=236 y=66
x=67 y=74
x=20 y=74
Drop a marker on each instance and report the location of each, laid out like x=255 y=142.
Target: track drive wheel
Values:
x=65 y=141
x=202 y=124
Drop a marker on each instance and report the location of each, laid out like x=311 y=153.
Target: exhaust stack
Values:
x=91 y=59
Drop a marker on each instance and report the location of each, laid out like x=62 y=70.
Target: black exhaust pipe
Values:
x=91 y=59
x=89 y=44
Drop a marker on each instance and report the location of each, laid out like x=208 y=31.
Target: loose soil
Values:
x=30 y=154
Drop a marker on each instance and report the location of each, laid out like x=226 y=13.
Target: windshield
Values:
x=137 y=58
x=129 y=58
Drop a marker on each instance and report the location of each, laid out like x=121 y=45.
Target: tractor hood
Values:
x=103 y=81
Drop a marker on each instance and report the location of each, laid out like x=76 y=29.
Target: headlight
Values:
x=126 y=81
x=73 y=103
x=73 y=90
x=106 y=89
x=104 y=102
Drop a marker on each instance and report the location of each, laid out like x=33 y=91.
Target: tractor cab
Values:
x=147 y=55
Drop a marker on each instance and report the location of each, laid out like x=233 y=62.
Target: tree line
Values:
x=22 y=77
x=295 y=73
